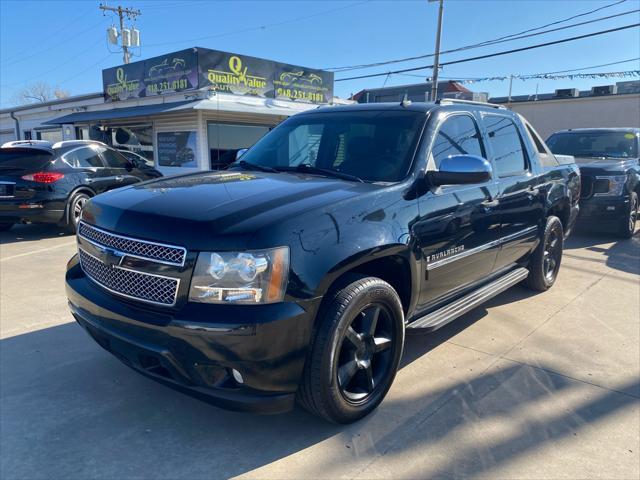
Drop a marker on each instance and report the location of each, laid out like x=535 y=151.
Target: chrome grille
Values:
x=153 y=251
x=135 y=285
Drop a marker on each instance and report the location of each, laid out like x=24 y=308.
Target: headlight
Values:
x=616 y=185
x=240 y=277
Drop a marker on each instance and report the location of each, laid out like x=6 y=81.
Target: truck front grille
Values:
x=158 y=252
x=586 y=186
x=128 y=283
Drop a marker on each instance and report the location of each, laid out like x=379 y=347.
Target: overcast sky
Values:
x=64 y=42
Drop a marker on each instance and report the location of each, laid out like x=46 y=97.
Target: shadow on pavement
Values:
x=623 y=255
x=21 y=233
x=70 y=410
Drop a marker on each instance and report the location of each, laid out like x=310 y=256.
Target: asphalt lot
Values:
x=540 y=386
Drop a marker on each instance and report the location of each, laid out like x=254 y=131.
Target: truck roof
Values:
x=411 y=106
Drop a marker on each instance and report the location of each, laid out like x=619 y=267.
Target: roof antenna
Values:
x=405 y=101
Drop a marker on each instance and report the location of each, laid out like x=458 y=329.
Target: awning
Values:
x=125 y=112
x=252 y=105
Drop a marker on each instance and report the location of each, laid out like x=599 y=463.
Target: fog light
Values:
x=237 y=376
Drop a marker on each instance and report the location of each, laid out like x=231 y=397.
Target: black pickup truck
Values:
x=609 y=162
x=295 y=273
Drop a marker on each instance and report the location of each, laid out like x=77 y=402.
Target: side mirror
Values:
x=130 y=165
x=461 y=170
x=241 y=152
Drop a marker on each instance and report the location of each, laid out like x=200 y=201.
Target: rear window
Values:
x=20 y=159
x=614 y=144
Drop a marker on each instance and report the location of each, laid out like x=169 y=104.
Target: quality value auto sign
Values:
x=175 y=72
x=220 y=71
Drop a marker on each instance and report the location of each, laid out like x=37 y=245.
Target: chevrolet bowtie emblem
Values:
x=109 y=256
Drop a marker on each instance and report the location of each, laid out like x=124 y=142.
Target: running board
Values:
x=442 y=316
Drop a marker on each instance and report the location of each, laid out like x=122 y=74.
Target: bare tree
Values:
x=38 y=92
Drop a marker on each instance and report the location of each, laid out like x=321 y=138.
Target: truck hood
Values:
x=198 y=211
x=610 y=166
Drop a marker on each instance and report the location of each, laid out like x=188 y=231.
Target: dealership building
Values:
x=185 y=111
x=605 y=106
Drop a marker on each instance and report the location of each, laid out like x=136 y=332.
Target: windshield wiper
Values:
x=307 y=168
x=254 y=166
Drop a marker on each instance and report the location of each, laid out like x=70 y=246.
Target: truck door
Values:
x=457 y=227
x=520 y=203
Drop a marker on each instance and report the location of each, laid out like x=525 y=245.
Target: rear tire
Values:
x=545 y=261
x=76 y=204
x=356 y=351
x=628 y=223
x=4 y=227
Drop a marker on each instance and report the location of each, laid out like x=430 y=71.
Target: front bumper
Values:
x=193 y=349
x=597 y=210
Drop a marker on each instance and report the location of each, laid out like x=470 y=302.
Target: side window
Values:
x=113 y=159
x=536 y=139
x=458 y=135
x=83 y=157
x=508 y=151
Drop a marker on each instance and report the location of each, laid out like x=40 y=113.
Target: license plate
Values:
x=6 y=190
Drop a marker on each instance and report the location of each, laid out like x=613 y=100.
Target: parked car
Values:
x=295 y=273
x=609 y=162
x=140 y=162
x=42 y=182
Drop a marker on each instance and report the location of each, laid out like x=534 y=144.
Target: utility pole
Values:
x=510 y=85
x=436 y=63
x=122 y=12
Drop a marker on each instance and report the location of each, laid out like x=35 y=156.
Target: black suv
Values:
x=609 y=161
x=295 y=273
x=45 y=183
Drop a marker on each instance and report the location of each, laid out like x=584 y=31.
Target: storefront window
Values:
x=225 y=140
x=177 y=149
x=135 y=138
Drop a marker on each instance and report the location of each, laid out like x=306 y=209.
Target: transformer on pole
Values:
x=129 y=37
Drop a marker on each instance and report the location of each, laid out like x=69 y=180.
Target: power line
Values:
x=584 y=14
x=99 y=62
x=260 y=27
x=51 y=47
x=497 y=54
x=481 y=44
x=59 y=65
x=45 y=39
x=546 y=73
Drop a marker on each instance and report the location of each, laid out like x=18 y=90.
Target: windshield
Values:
x=615 y=144
x=375 y=146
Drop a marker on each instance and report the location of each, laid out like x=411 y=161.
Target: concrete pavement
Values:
x=528 y=386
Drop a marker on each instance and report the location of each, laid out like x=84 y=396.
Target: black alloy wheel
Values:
x=552 y=255
x=355 y=351
x=544 y=263
x=365 y=356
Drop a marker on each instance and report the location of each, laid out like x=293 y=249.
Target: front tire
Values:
x=545 y=261
x=356 y=351
x=75 y=210
x=628 y=223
